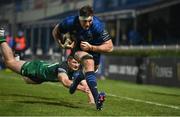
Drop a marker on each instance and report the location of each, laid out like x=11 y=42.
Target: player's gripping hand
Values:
x=85 y=46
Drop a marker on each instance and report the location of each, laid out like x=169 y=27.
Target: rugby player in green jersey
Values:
x=38 y=71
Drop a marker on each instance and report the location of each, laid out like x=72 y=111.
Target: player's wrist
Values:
x=91 y=48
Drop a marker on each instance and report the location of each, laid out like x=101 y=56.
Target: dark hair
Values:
x=70 y=57
x=86 y=11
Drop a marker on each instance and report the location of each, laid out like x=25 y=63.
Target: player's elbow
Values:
x=110 y=47
x=55 y=31
x=66 y=83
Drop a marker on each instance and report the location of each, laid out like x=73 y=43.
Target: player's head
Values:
x=72 y=63
x=86 y=16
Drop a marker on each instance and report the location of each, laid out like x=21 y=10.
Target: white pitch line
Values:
x=128 y=98
x=137 y=100
x=144 y=101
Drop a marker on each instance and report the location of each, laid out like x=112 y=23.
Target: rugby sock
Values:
x=91 y=81
x=2 y=38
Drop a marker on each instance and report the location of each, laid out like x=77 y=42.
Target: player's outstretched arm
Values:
x=81 y=87
x=63 y=77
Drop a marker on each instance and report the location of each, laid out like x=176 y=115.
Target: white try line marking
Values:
x=144 y=101
x=137 y=100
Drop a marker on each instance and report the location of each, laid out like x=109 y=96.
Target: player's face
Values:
x=85 y=24
x=73 y=64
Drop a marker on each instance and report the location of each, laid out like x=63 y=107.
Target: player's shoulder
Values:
x=63 y=67
x=64 y=63
x=98 y=25
x=70 y=19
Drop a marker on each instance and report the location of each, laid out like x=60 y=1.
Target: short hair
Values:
x=70 y=57
x=86 y=11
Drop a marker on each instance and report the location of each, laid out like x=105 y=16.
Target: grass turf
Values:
x=52 y=99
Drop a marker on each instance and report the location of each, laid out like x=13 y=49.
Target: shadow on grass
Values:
x=42 y=100
x=55 y=103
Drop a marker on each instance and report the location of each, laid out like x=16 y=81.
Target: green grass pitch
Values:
x=51 y=99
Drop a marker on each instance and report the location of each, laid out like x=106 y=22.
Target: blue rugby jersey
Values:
x=95 y=35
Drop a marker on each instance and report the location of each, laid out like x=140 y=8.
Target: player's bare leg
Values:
x=11 y=62
x=9 y=58
x=89 y=70
x=89 y=94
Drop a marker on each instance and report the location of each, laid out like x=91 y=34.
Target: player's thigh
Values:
x=16 y=66
x=80 y=54
x=84 y=57
x=29 y=81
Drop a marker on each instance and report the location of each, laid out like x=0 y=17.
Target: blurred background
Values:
x=145 y=33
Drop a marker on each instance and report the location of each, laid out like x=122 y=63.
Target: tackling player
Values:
x=89 y=40
x=38 y=71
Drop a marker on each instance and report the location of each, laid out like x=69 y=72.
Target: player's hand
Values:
x=70 y=45
x=85 y=46
x=67 y=43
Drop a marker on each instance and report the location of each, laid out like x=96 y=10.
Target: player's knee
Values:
x=87 y=57
x=88 y=62
x=80 y=55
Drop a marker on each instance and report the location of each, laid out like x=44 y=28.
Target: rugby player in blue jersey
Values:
x=89 y=40
x=38 y=71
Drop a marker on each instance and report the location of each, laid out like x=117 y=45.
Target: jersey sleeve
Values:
x=104 y=35
x=100 y=31
x=63 y=68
